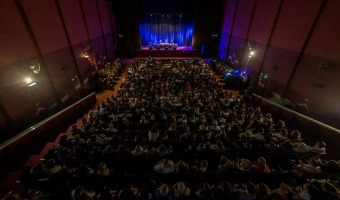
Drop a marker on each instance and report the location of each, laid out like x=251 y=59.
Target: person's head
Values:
x=180 y=187
x=262 y=163
x=263 y=189
x=204 y=163
x=50 y=164
x=251 y=188
x=281 y=124
x=248 y=134
x=164 y=190
x=102 y=166
x=295 y=134
x=320 y=144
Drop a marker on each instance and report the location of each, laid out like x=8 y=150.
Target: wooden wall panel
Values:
x=105 y=16
x=75 y=24
x=227 y=21
x=12 y=31
x=242 y=20
x=325 y=41
x=294 y=23
x=92 y=19
x=46 y=24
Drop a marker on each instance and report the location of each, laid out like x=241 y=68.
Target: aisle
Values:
x=104 y=94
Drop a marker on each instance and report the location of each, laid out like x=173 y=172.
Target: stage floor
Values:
x=181 y=51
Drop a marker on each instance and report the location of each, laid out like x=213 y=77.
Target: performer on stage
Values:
x=160 y=42
x=166 y=41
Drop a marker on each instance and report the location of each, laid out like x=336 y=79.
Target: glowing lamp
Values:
x=28 y=80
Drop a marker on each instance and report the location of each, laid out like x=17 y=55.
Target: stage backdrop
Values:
x=173 y=28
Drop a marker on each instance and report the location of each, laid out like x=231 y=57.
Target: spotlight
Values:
x=28 y=80
x=86 y=55
x=244 y=72
x=180 y=15
x=150 y=15
x=228 y=74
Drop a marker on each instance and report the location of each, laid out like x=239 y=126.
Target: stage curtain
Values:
x=207 y=21
x=161 y=27
x=126 y=21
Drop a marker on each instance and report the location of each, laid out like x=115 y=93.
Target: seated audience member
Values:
x=128 y=193
x=264 y=192
x=181 y=191
x=76 y=131
x=163 y=192
x=249 y=192
x=138 y=151
x=103 y=170
x=261 y=165
x=163 y=151
x=181 y=167
x=311 y=167
x=331 y=166
x=225 y=190
x=204 y=191
x=164 y=166
x=153 y=134
x=149 y=150
x=107 y=194
x=202 y=167
x=295 y=137
x=81 y=193
x=301 y=148
x=225 y=165
x=243 y=165
x=319 y=147
x=52 y=168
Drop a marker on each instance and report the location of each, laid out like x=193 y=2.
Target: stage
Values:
x=181 y=51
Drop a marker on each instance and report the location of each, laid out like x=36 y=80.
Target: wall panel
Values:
x=325 y=41
x=105 y=16
x=227 y=21
x=92 y=19
x=46 y=24
x=242 y=20
x=75 y=24
x=13 y=30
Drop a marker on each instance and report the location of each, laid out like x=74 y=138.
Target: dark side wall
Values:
x=54 y=34
x=295 y=43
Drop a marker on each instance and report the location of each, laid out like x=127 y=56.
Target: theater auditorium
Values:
x=169 y=99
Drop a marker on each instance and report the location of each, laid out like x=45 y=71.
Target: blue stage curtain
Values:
x=174 y=28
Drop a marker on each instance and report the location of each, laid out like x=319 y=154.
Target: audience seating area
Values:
x=107 y=77
x=172 y=132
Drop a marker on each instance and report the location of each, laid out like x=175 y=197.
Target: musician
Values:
x=166 y=41
x=160 y=42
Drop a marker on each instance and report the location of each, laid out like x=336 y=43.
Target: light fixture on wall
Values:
x=251 y=54
x=30 y=82
x=86 y=55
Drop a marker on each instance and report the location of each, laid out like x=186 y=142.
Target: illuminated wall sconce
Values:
x=86 y=56
x=251 y=54
x=30 y=82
